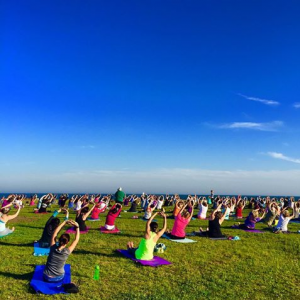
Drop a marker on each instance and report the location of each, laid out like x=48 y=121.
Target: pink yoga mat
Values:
x=104 y=230
x=73 y=230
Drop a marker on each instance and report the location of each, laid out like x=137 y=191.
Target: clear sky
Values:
x=154 y=96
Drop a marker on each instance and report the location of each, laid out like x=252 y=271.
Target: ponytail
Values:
x=64 y=239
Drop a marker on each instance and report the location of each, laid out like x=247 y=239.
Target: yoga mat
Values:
x=217 y=239
x=37 y=212
x=155 y=262
x=253 y=230
x=104 y=230
x=73 y=230
x=248 y=230
x=294 y=221
x=40 y=286
x=179 y=241
x=38 y=251
x=93 y=220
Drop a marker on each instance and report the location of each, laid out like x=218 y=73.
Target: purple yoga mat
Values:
x=73 y=230
x=155 y=262
x=253 y=230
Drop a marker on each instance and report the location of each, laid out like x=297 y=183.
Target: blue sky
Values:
x=156 y=96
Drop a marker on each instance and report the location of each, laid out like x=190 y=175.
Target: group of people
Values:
x=272 y=212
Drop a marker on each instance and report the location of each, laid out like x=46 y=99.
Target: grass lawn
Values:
x=259 y=266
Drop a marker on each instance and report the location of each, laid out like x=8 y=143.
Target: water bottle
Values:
x=96 y=273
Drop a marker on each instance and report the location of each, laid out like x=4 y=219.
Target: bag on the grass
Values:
x=71 y=288
x=160 y=248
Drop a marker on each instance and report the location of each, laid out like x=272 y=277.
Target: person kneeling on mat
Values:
x=146 y=247
x=50 y=227
x=181 y=221
x=4 y=218
x=113 y=213
x=54 y=270
x=214 y=223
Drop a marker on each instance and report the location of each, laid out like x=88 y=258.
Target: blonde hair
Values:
x=186 y=214
x=286 y=213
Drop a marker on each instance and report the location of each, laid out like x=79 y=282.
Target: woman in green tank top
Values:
x=147 y=244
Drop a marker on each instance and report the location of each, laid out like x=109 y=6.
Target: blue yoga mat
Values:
x=47 y=288
x=38 y=251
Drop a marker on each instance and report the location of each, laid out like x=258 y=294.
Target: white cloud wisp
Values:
x=264 y=101
x=297 y=105
x=272 y=126
x=283 y=157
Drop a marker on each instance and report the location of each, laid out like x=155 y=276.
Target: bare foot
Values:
x=13 y=229
x=200 y=229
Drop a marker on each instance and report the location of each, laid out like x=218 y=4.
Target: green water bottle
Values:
x=96 y=273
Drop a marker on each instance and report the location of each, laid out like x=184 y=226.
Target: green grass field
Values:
x=259 y=266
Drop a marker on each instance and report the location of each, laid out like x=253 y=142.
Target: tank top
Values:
x=2 y=225
x=95 y=213
x=239 y=212
x=214 y=228
x=81 y=223
x=202 y=212
x=146 y=248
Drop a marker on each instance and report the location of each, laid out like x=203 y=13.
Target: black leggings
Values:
x=174 y=237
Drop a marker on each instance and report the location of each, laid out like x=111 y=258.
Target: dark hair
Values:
x=64 y=239
x=218 y=215
x=153 y=226
x=116 y=208
x=54 y=223
x=5 y=210
x=85 y=210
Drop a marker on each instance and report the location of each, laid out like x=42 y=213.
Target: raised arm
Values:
x=212 y=216
x=148 y=230
x=162 y=231
x=77 y=236
x=11 y=217
x=57 y=230
x=192 y=212
x=183 y=207
x=84 y=217
x=224 y=215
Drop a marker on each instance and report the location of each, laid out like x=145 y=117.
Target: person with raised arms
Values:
x=214 y=224
x=59 y=253
x=113 y=213
x=181 y=221
x=4 y=218
x=146 y=247
x=82 y=215
x=50 y=227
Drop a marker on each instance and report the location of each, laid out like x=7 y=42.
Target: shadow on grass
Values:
x=18 y=245
x=130 y=235
x=26 y=276
x=28 y=226
x=112 y=254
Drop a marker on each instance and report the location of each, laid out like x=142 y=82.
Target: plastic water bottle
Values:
x=96 y=273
